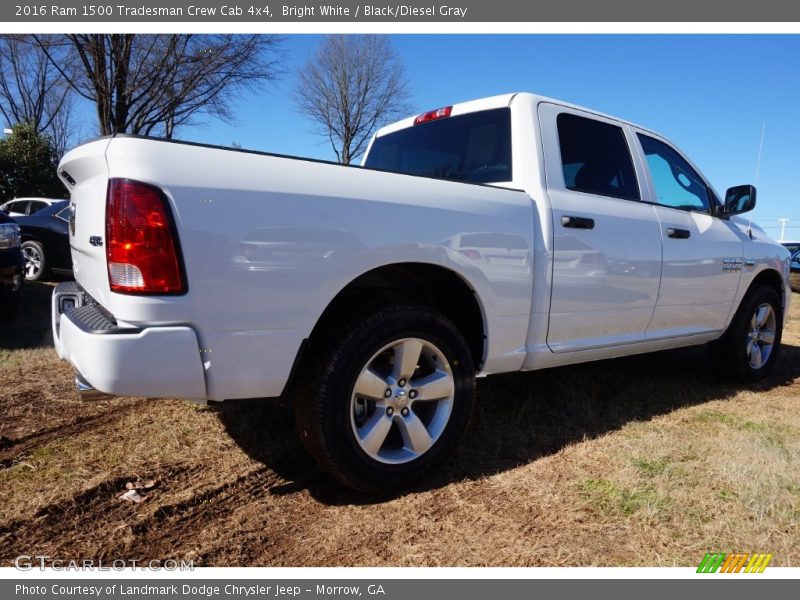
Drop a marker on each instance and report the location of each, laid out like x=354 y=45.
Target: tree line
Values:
x=157 y=85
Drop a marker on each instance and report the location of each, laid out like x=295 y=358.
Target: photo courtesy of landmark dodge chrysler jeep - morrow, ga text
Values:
x=505 y=234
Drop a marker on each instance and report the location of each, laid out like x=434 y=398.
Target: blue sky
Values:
x=710 y=94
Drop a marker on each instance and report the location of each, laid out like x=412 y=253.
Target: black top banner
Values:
x=425 y=11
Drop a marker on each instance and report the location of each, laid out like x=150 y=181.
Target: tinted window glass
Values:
x=677 y=184
x=20 y=207
x=475 y=147
x=595 y=158
x=36 y=206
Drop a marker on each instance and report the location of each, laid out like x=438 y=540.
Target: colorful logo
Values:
x=714 y=562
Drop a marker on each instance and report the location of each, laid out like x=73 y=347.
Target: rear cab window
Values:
x=474 y=148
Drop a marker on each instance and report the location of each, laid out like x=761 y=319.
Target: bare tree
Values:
x=350 y=86
x=153 y=84
x=32 y=90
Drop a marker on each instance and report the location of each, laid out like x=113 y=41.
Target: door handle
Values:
x=678 y=234
x=577 y=222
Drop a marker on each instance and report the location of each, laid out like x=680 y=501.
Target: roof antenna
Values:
x=758 y=168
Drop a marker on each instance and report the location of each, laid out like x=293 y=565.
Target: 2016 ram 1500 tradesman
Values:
x=505 y=234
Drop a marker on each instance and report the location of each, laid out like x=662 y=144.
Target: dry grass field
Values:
x=648 y=460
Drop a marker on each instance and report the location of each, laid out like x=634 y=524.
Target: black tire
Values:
x=32 y=246
x=729 y=353
x=323 y=406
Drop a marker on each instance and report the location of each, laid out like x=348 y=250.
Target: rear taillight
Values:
x=141 y=243
x=432 y=115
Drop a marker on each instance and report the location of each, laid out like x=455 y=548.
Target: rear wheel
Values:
x=390 y=396
x=35 y=262
x=749 y=348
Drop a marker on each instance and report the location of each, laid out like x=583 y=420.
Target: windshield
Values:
x=475 y=147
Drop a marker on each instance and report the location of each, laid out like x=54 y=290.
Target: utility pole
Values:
x=783 y=221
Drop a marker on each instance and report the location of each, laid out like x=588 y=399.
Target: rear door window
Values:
x=595 y=158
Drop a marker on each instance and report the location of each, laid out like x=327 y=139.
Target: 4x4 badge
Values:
x=96 y=240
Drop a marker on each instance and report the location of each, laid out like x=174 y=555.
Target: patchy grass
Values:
x=612 y=500
x=658 y=467
x=647 y=460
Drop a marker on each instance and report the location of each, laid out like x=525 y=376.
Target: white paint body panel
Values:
x=269 y=241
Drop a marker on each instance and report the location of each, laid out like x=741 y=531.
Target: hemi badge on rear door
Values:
x=96 y=240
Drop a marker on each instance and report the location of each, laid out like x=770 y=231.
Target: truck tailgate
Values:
x=84 y=171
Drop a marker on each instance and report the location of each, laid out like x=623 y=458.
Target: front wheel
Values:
x=390 y=396
x=749 y=348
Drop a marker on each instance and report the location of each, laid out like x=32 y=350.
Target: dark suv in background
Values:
x=11 y=263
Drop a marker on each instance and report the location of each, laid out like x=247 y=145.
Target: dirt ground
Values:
x=644 y=461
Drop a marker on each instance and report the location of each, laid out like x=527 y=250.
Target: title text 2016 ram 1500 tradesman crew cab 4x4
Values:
x=505 y=234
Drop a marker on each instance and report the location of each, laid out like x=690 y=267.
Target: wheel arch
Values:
x=771 y=278
x=429 y=284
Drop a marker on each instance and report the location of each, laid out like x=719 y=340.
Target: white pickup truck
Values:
x=511 y=233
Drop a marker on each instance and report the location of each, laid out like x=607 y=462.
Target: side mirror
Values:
x=739 y=199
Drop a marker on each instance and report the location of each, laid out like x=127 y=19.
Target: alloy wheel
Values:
x=761 y=336
x=402 y=401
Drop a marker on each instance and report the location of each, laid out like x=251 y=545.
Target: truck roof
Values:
x=499 y=102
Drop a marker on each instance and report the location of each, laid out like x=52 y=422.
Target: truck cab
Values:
x=641 y=250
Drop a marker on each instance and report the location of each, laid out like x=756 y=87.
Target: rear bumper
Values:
x=158 y=362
